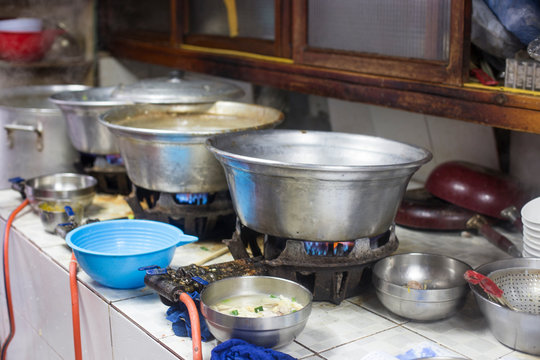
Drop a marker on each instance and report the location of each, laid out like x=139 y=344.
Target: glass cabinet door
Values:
x=417 y=39
x=254 y=26
x=417 y=29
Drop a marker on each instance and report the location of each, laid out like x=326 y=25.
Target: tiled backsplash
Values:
x=447 y=139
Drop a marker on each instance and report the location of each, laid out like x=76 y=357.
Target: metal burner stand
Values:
x=111 y=179
x=330 y=278
x=214 y=220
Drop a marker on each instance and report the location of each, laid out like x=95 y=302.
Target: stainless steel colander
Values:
x=521 y=287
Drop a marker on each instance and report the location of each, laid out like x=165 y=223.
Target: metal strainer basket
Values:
x=521 y=287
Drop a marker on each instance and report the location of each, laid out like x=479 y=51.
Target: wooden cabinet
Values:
x=292 y=50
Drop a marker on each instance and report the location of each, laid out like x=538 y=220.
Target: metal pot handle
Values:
x=38 y=129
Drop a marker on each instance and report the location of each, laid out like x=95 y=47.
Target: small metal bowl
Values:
x=73 y=189
x=269 y=332
x=421 y=287
x=53 y=213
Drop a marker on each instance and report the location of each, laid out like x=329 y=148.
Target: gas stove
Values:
x=109 y=171
x=205 y=215
x=332 y=271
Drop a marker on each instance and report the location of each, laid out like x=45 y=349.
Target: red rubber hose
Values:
x=75 y=307
x=195 y=325
x=7 y=283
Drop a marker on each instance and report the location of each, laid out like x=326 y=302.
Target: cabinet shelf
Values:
x=493 y=106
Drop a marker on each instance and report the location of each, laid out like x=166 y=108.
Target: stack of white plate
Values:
x=530 y=216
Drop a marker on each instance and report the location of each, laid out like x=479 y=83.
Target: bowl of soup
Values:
x=263 y=310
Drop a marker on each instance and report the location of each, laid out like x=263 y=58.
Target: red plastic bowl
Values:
x=26 y=46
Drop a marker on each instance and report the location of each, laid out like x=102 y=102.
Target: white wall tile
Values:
x=447 y=139
x=406 y=127
x=95 y=325
x=460 y=140
x=148 y=311
x=346 y=116
x=130 y=342
x=28 y=344
x=394 y=343
x=329 y=325
x=466 y=332
x=111 y=72
x=42 y=297
x=525 y=160
x=41 y=294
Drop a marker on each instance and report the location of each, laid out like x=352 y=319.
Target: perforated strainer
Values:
x=521 y=287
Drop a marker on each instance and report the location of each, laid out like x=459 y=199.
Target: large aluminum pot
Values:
x=81 y=110
x=518 y=330
x=34 y=136
x=163 y=146
x=315 y=185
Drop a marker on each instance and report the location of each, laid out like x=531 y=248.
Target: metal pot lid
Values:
x=177 y=89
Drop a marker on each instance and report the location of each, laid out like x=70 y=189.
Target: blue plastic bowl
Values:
x=112 y=251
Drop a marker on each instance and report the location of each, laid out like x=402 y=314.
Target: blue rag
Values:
x=236 y=349
x=181 y=325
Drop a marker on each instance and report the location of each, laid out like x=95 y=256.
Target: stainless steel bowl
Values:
x=52 y=213
x=270 y=332
x=517 y=330
x=421 y=287
x=69 y=188
x=315 y=185
x=82 y=109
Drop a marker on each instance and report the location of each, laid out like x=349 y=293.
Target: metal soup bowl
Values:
x=515 y=329
x=270 y=332
x=69 y=188
x=442 y=289
x=316 y=185
x=163 y=146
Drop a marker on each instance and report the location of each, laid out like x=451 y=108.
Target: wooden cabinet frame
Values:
x=453 y=72
x=280 y=47
x=447 y=97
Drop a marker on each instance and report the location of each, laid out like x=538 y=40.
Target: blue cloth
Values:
x=520 y=17
x=236 y=349
x=181 y=325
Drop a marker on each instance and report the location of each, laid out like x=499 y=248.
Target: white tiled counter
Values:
x=131 y=324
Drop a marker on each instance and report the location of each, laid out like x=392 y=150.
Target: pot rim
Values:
x=71 y=98
x=37 y=91
x=229 y=157
x=273 y=118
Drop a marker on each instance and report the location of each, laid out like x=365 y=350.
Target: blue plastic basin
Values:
x=112 y=251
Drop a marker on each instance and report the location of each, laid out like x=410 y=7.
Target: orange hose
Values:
x=7 y=283
x=75 y=307
x=195 y=325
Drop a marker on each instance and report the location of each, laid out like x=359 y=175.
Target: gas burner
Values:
x=332 y=271
x=109 y=171
x=205 y=215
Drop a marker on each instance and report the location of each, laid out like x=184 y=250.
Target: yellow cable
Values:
x=235 y=53
x=232 y=16
x=501 y=88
